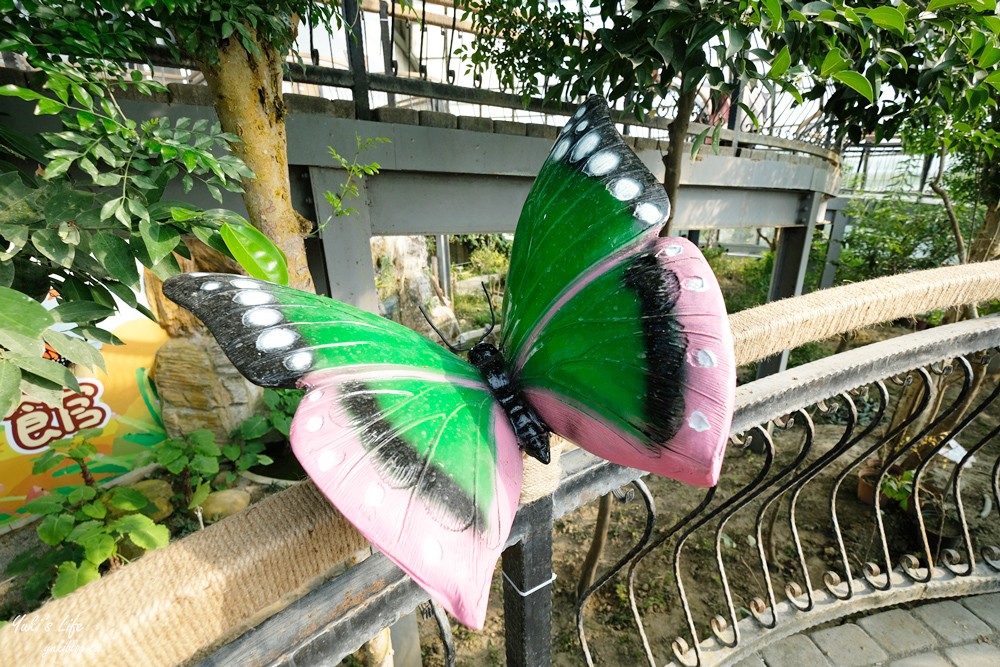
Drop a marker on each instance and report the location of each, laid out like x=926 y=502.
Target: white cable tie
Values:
x=525 y=594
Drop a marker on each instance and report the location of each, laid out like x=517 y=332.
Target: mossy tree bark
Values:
x=248 y=100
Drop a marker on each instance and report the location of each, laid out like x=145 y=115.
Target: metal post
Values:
x=383 y=19
x=840 y=220
x=444 y=264
x=790 y=262
x=527 y=590
x=356 y=58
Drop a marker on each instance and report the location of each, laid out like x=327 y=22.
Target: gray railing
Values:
x=782 y=542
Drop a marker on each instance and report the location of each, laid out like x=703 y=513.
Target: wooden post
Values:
x=527 y=590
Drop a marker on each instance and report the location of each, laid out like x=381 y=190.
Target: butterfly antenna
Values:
x=451 y=347
x=493 y=317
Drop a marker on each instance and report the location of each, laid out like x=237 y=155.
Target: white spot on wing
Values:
x=329 y=459
x=300 y=361
x=261 y=317
x=211 y=285
x=244 y=283
x=579 y=112
x=588 y=144
x=276 y=339
x=253 y=298
x=560 y=150
x=433 y=553
x=698 y=421
x=705 y=359
x=582 y=125
x=649 y=213
x=315 y=396
x=695 y=284
x=603 y=163
x=670 y=251
x=314 y=424
x=374 y=495
x=626 y=189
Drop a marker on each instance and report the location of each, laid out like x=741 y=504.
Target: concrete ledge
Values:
x=397 y=116
x=542 y=131
x=319 y=105
x=186 y=93
x=438 y=119
x=475 y=124
x=509 y=127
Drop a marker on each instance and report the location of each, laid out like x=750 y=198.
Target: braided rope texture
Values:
x=178 y=603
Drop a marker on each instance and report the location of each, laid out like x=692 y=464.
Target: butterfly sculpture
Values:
x=612 y=337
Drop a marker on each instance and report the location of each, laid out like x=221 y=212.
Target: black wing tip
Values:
x=590 y=143
x=210 y=297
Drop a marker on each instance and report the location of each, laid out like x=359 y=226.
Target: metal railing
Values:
x=780 y=545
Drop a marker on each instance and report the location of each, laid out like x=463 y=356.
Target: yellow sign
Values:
x=112 y=401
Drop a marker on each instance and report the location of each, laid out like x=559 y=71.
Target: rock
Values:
x=159 y=493
x=200 y=388
x=220 y=504
x=409 y=263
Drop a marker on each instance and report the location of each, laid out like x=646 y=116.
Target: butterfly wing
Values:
x=402 y=437
x=619 y=338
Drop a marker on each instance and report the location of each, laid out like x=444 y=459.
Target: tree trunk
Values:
x=259 y=121
x=672 y=160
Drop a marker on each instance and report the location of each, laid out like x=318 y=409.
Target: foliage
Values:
x=645 y=54
x=931 y=67
x=355 y=172
x=899 y=487
x=91 y=31
x=83 y=527
x=488 y=261
x=97 y=209
x=249 y=441
x=195 y=460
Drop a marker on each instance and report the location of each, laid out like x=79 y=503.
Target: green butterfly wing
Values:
x=619 y=338
x=402 y=436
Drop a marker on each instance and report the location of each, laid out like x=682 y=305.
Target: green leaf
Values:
x=10 y=90
x=858 y=82
x=47 y=242
x=75 y=349
x=49 y=504
x=98 y=547
x=160 y=240
x=255 y=426
x=54 y=528
x=52 y=371
x=129 y=500
x=258 y=256
x=780 y=64
x=833 y=62
x=81 y=311
x=48 y=107
x=142 y=531
x=889 y=18
x=95 y=510
x=935 y=5
x=232 y=451
x=116 y=256
x=21 y=314
x=81 y=493
x=67 y=205
x=72 y=576
x=10 y=387
x=199 y=495
x=205 y=465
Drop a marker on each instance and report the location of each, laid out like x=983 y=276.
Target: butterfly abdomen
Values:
x=532 y=433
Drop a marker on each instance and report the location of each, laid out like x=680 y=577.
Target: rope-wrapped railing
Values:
x=178 y=604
